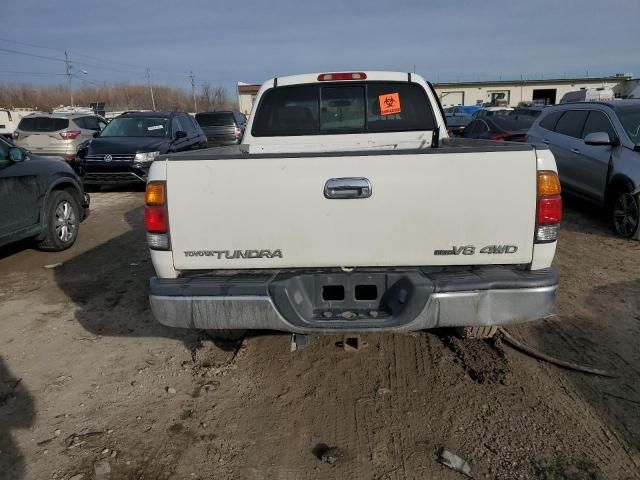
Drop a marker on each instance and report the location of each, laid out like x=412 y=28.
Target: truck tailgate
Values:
x=425 y=208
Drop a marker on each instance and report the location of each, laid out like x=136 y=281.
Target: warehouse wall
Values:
x=514 y=92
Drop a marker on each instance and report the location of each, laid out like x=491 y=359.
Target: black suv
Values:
x=125 y=149
x=222 y=128
x=41 y=198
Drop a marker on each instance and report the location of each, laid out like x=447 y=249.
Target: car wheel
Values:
x=62 y=222
x=626 y=215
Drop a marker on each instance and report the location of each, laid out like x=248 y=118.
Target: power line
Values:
x=29 y=73
x=75 y=54
x=31 y=54
x=31 y=45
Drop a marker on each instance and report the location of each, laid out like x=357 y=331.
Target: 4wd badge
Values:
x=471 y=250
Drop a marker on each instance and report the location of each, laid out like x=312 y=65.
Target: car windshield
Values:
x=630 y=118
x=509 y=123
x=496 y=113
x=215 y=119
x=137 y=127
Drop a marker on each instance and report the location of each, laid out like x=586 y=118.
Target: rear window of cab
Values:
x=43 y=124
x=341 y=108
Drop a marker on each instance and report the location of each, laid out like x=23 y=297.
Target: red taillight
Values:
x=70 y=134
x=327 y=77
x=549 y=210
x=9 y=115
x=155 y=219
x=501 y=137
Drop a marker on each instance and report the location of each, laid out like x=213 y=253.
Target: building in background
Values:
x=246 y=95
x=509 y=92
x=512 y=92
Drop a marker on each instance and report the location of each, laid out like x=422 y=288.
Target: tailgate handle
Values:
x=337 y=188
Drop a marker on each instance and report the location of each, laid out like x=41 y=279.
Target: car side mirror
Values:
x=16 y=154
x=598 y=138
x=180 y=134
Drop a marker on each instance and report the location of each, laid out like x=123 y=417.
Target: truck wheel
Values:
x=625 y=215
x=62 y=222
x=227 y=334
x=476 y=332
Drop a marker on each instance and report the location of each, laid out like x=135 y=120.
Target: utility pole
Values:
x=193 y=91
x=69 y=75
x=153 y=100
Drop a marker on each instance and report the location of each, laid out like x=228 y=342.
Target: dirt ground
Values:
x=92 y=387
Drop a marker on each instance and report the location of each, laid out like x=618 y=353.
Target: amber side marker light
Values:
x=155 y=193
x=548 y=183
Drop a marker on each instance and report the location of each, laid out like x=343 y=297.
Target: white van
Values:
x=600 y=94
x=9 y=119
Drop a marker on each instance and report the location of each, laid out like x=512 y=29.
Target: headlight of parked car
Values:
x=145 y=157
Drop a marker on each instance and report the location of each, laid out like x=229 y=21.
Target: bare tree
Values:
x=123 y=96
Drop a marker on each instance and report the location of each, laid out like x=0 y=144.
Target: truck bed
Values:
x=447 y=145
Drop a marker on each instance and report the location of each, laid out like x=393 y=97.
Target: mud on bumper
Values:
x=375 y=300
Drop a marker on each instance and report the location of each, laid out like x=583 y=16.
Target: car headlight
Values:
x=145 y=157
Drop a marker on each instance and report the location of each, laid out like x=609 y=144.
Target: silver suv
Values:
x=57 y=134
x=597 y=150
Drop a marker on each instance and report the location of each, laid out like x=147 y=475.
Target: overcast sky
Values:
x=252 y=40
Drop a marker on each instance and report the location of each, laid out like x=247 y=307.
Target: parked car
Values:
x=529 y=111
x=125 y=149
x=492 y=112
x=436 y=232
x=597 y=148
x=222 y=128
x=458 y=118
x=503 y=127
x=9 y=119
x=57 y=134
x=600 y=94
x=41 y=198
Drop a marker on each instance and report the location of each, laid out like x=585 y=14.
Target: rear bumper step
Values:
x=334 y=301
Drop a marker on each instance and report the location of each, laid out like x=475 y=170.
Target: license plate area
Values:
x=351 y=299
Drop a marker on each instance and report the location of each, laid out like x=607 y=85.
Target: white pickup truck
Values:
x=347 y=208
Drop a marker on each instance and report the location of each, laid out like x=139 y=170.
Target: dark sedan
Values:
x=511 y=128
x=125 y=149
x=42 y=198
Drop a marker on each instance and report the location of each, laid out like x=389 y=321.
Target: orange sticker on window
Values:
x=389 y=103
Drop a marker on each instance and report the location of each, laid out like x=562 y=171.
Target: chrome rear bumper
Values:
x=433 y=300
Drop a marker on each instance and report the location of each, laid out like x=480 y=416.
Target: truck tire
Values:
x=625 y=215
x=476 y=332
x=62 y=221
x=227 y=334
